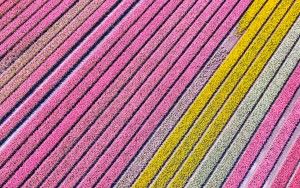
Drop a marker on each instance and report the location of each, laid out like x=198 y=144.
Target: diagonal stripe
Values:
x=179 y=107
x=283 y=68
x=157 y=137
x=33 y=58
x=30 y=46
x=289 y=165
x=268 y=144
x=31 y=29
x=23 y=42
x=10 y=36
x=159 y=93
x=9 y=149
x=95 y=73
x=25 y=38
x=6 y=6
x=13 y=12
x=55 y=81
x=117 y=124
x=263 y=170
x=250 y=14
x=87 y=120
x=155 y=101
x=166 y=149
x=83 y=127
x=231 y=104
x=254 y=119
x=295 y=180
x=72 y=42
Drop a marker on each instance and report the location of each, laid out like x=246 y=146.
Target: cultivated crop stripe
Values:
x=172 y=140
x=220 y=119
x=267 y=77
